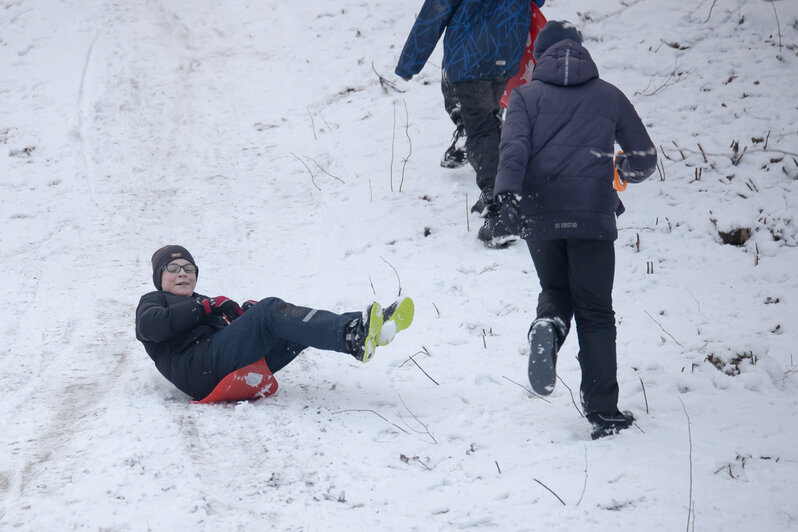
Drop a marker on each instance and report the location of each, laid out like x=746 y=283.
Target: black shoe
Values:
x=605 y=424
x=494 y=233
x=543 y=347
x=455 y=155
x=481 y=204
x=361 y=334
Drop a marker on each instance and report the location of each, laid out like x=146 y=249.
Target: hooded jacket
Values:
x=176 y=333
x=557 y=147
x=484 y=38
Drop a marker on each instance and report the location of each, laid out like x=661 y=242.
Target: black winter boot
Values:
x=361 y=334
x=545 y=337
x=494 y=232
x=606 y=424
x=455 y=155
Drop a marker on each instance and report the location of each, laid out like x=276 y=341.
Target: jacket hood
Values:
x=565 y=63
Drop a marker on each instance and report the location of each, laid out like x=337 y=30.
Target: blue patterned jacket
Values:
x=484 y=38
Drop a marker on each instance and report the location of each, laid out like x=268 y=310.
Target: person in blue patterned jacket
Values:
x=555 y=188
x=482 y=49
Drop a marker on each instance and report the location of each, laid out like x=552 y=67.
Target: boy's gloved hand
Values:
x=510 y=212
x=221 y=306
x=248 y=304
x=619 y=159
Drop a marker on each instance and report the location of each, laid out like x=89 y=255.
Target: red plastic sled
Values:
x=527 y=61
x=250 y=382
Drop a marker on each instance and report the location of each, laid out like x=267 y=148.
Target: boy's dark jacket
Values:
x=176 y=333
x=557 y=147
x=484 y=39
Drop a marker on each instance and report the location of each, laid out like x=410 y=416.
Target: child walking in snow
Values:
x=196 y=341
x=554 y=187
x=481 y=51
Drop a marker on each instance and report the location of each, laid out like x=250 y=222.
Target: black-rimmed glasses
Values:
x=175 y=268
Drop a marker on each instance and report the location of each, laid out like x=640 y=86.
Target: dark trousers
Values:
x=277 y=331
x=450 y=102
x=576 y=278
x=481 y=113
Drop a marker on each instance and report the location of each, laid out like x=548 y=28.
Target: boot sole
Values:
x=399 y=320
x=375 y=326
x=453 y=164
x=542 y=371
x=500 y=242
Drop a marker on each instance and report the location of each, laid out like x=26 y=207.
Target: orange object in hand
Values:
x=618 y=183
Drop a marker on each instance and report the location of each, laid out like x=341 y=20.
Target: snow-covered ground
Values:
x=258 y=135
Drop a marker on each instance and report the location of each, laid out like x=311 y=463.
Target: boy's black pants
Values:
x=576 y=277
x=481 y=113
x=277 y=331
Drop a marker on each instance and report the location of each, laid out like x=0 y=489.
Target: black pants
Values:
x=481 y=114
x=277 y=331
x=450 y=102
x=576 y=278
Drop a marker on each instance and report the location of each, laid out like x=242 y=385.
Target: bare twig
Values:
x=384 y=83
x=468 y=224
x=694 y=299
x=572 y=396
x=681 y=151
x=426 y=429
x=436 y=309
x=312 y=123
x=778 y=24
x=497 y=466
x=663 y=328
x=530 y=392
x=372 y=286
x=710 y=10
x=700 y=147
x=736 y=155
x=644 y=394
x=312 y=177
x=584 y=486
x=393 y=143
x=736 y=159
x=690 y=506
x=323 y=170
x=668 y=81
x=550 y=491
x=373 y=412
x=413 y=360
x=417 y=459
x=661 y=169
x=397 y=276
x=410 y=141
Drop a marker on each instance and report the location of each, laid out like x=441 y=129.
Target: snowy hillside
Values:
x=259 y=136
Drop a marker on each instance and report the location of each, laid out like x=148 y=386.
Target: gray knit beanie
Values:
x=553 y=32
x=164 y=256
